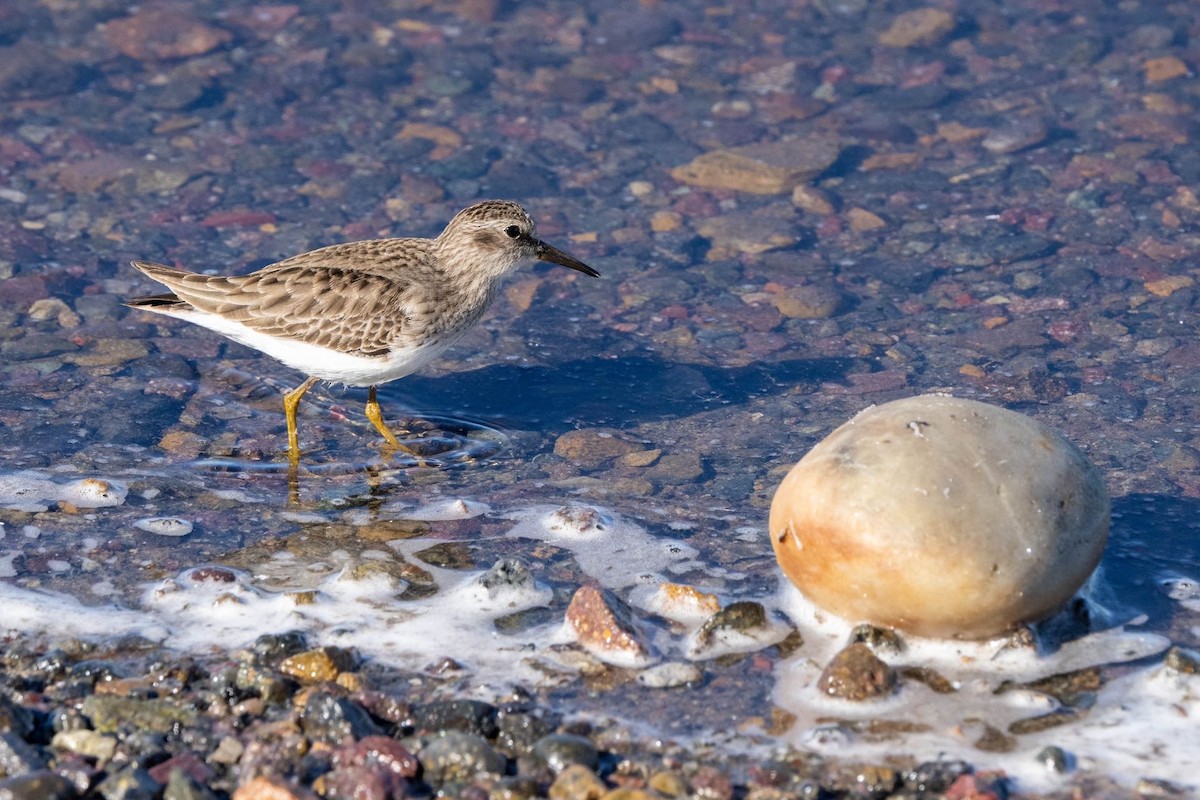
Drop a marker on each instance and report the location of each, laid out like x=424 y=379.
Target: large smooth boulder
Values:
x=942 y=517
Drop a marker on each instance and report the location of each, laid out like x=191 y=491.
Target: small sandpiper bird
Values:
x=362 y=313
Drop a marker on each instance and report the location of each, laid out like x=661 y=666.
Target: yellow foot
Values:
x=376 y=416
x=291 y=401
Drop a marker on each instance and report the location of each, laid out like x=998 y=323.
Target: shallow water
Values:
x=1012 y=218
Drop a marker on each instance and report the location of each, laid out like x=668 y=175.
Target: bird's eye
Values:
x=512 y=231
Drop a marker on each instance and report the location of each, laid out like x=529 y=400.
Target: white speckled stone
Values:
x=941 y=517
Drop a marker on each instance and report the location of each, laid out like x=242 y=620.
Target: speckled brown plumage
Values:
x=368 y=312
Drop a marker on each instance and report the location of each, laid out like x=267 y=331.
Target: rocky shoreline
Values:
x=283 y=720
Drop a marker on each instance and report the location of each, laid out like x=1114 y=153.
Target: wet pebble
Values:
x=920 y=27
x=457 y=757
x=1054 y=759
x=676 y=468
x=603 y=625
x=668 y=783
x=591 y=447
x=40 y=785
x=335 y=719
x=683 y=603
x=856 y=673
x=738 y=628
x=109 y=713
x=271 y=788
x=318 y=665
x=155 y=33
x=635 y=31
x=865 y=781
x=710 y=783
x=35 y=346
x=31 y=70
x=469 y=716
x=86 y=743
x=181 y=787
x=978 y=786
x=360 y=783
x=561 y=750
x=130 y=783
x=577 y=782
x=734 y=234
x=1017 y=135
x=670 y=675
x=15 y=718
x=17 y=756
x=771 y=168
x=274 y=646
x=935 y=776
x=164 y=526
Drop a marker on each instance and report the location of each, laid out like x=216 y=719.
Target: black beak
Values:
x=552 y=254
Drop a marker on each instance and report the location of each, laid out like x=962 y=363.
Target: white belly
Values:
x=328 y=365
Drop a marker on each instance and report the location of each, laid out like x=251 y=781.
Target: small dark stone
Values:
x=519 y=731
x=1181 y=661
x=447 y=555
x=743 y=615
x=935 y=776
x=180 y=91
x=1055 y=759
x=468 y=162
x=40 y=785
x=512 y=178
x=459 y=757
x=129 y=784
x=878 y=639
x=469 y=716
x=625 y=31
x=930 y=95
x=30 y=70
x=560 y=750
x=15 y=718
x=930 y=677
x=97 y=307
x=335 y=719
x=18 y=757
x=36 y=345
x=573 y=89
x=272 y=647
x=181 y=787
x=506 y=574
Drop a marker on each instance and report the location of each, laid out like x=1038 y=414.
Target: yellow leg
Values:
x=376 y=416
x=290 y=401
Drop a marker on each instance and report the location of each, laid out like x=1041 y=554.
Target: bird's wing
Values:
x=340 y=307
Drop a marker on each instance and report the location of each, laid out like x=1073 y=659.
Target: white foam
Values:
x=448 y=510
x=609 y=548
x=1135 y=730
x=30 y=491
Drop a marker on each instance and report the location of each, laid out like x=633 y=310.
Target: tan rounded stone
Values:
x=941 y=517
